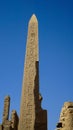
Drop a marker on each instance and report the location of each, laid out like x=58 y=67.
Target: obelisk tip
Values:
x=33 y=18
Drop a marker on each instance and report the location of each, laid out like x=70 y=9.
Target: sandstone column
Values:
x=6 y=108
x=14 y=120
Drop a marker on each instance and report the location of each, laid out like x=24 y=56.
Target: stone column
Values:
x=14 y=120
x=6 y=108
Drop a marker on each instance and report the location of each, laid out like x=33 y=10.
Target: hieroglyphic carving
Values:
x=27 y=114
x=31 y=100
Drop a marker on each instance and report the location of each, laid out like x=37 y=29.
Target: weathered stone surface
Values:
x=1 y=127
x=14 y=120
x=41 y=120
x=6 y=123
x=31 y=113
x=66 y=117
x=32 y=116
x=6 y=108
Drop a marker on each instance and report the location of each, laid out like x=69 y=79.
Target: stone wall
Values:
x=66 y=117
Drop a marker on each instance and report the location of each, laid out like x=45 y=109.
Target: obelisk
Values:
x=30 y=109
x=27 y=110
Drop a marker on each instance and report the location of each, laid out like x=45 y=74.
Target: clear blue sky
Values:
x=55 y=19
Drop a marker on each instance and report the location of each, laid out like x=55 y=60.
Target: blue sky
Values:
x=55 y=19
